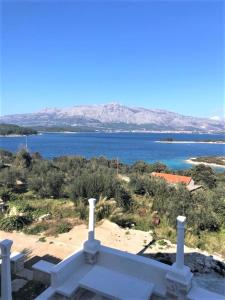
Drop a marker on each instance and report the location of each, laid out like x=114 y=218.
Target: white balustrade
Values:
x=6 y=286
x=180 y=241
x=91 y=224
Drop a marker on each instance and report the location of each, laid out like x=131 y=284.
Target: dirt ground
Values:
x=110 y=234
x=64 y=244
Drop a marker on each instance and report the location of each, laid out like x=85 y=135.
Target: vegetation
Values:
x=59 y=189
x=218 y=141
x=210 y=160
x=64 y=129
x=14 y=223
x=10 y=129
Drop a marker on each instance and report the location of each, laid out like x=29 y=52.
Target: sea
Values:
x=127 y=147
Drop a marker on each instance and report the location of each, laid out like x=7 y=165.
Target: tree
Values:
x=9 y=176
x=23 y=159
x=204 y=175
x=123 y=198
x=138 y=184
x=140 y=167
x=203 y=213
x=46 y=180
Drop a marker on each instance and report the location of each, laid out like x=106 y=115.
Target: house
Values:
x=173 y=179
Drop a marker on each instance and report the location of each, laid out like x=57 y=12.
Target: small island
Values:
x=15 y=130
x=204 y=141
x=213 y=161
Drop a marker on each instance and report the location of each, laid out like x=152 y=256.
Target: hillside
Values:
x=10 y=129
x=115 y=117
x=58 y=189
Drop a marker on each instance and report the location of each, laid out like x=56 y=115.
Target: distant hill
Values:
x=10 y=129
x=114 y=116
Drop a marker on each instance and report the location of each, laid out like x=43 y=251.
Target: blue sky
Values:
x=155 y=54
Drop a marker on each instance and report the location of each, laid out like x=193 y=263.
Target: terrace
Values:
x=97 y=272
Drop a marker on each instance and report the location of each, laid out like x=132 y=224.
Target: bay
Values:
x=127 y=147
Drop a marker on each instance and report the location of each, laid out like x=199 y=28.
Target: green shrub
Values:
x=104 y=209
x=63 y=228
x=42 y=239
x=162 y=243
x=82 y=211
x=143 y=224
x=123 y=220
x=22 y=207
x=14 y=223
x=38 y=228
x=123 y=198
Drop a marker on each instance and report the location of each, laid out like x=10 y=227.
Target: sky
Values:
x=153 y=54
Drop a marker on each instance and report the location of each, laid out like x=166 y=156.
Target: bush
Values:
x=63 y=228
x=123 y=221
x=14 y=223
x=37 y=228
x=5 y=194
x=94 y=184
x=22 y=207
x=42 y=239
x=144 y=224
x=104 y=209
x=46 y=180
x=82 y=211
x=123 y=198
x=162 y=243
x=204 y=175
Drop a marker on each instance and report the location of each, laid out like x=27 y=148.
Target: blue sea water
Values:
x=127 y=147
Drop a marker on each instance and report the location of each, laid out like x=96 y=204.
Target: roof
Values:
x=173 y=179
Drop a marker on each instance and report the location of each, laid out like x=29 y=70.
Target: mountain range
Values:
x=114 y=116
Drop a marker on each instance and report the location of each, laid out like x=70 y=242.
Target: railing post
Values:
x=180 y=242
x=179 y=278
x=91 y=222
x=91 y=246
x=6 y=285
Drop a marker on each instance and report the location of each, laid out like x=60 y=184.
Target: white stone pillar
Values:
x=179 y=278
x=91 y=246
x=180 y=242
x=91 y=224
x=6 y=287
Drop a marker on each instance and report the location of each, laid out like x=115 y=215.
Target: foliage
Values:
x=23 y=159
x=36 y=229
x=14 y=223
x=9 y=176
x=104 y=209
x=22 y=207
x=210 y=159
x=63 y=227
x=6 y=157
x=46 y=180
x=8 y=129
x=204 y=175
x=42 y=239
x=82 y=211
x=125 y=221
x=49 y=185
x=142 y=167
x=162 y=243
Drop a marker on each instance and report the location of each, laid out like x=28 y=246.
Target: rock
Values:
x=44 y=217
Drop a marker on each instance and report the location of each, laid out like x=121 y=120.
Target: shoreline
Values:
x=191 y=142
x=13 y=135
x=190 y=161
x=18 y=135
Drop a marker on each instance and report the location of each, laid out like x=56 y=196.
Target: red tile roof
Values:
x=173 y=179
